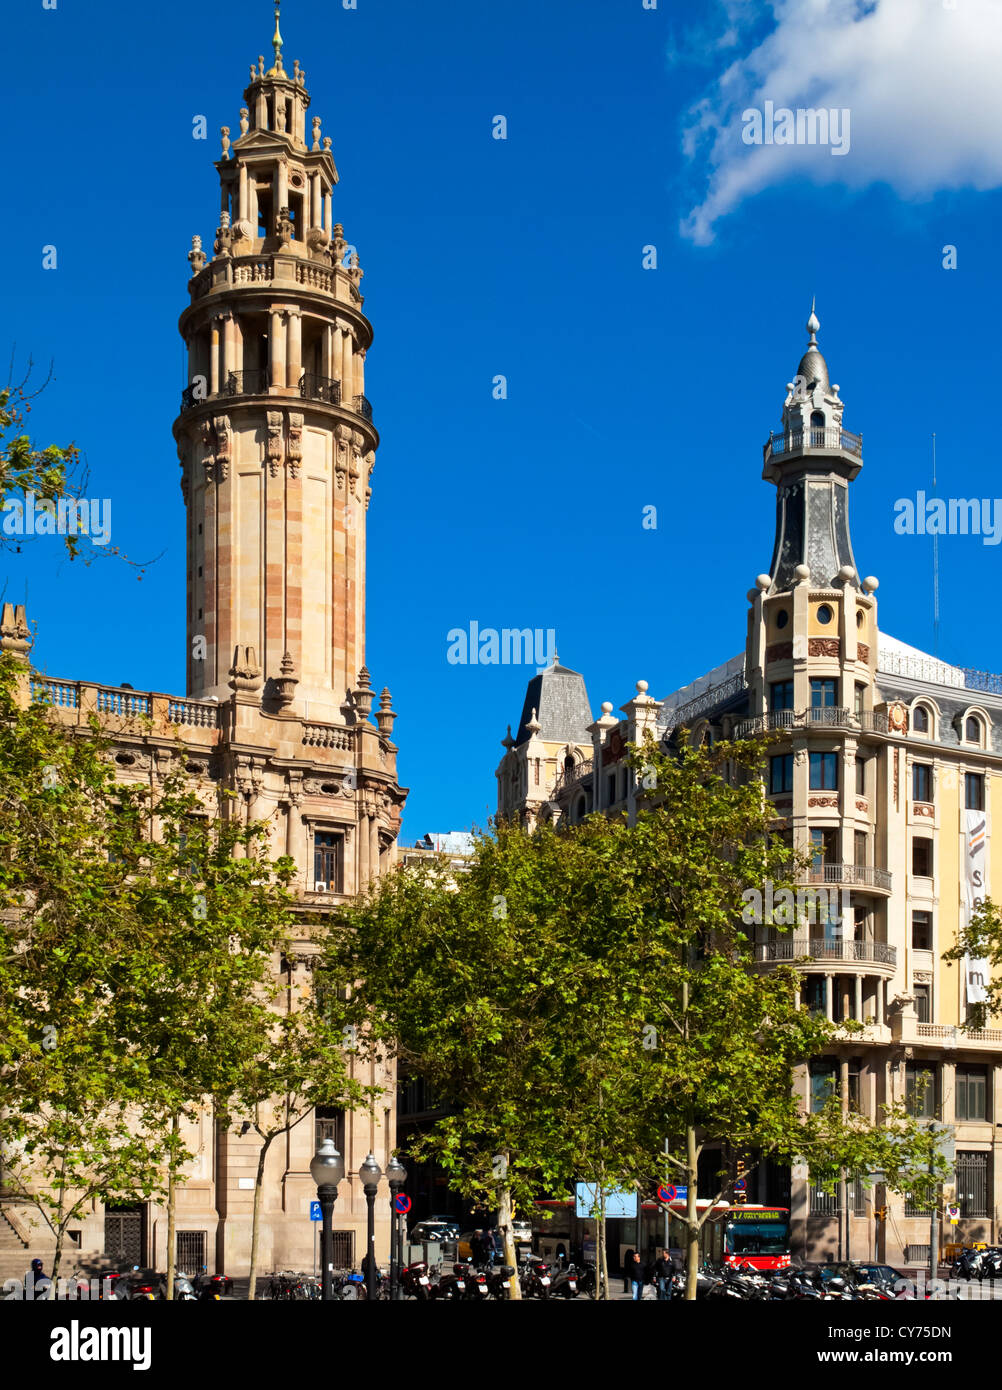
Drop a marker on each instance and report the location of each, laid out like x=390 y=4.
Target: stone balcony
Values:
x=121 y=709
x=835 y=717
x=909 y=1030
x=865 y=876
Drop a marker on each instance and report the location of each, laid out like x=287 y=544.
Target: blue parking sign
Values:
x=315 y=1213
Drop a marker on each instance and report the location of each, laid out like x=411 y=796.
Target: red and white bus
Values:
x=759 y=1236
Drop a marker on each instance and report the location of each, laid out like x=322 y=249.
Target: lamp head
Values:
x=327 y=1165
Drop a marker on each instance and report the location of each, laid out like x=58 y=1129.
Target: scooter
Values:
x=536 y=1279
x=565 y=1283
x=451 y=1286
x=499 y=1281
x=415 y=1282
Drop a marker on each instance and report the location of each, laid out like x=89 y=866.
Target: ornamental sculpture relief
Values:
x=295 y=445
x=824 y=646
x=274 y=445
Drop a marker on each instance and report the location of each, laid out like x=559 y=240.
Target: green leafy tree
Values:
x=981 y=939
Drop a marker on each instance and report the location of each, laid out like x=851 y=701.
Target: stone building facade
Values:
x=277 y=445
x=888 y=771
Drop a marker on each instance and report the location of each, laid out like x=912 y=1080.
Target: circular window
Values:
x=782 y=618
x=859 y=617
x=825 y=614
x=124 y=759
x=329 y=788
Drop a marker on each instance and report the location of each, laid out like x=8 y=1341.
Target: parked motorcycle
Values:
x=535 y=1279
x=451 y=1287
x=565 y=1283
x=415 y=1281
x=209 y=1288
x=499 y=1280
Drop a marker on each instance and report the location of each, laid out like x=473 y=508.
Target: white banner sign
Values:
x=975 y=890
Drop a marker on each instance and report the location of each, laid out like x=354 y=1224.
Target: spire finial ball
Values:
x=606 y=706
x=641 y=687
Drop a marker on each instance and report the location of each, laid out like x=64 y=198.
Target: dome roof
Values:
x=814 y=369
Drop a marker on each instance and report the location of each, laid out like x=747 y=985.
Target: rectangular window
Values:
x=974 y=791
x=922 y=857
x=329 y=1124
x=823 y=694
x=610 y=783
x=781 y=774
x=781 y=695
x=860 y=842
x=972 y=1182
x=855 y=1085
x=923 y=1002
x=921 y=782
x=860 y=777
x=860 y=699
x=824 y=1083
x=824 y=771
x=814 y=995
x=922 y=931
x=971 y=1094
x=328 y=861
x=824 y=847
x=920 y=1090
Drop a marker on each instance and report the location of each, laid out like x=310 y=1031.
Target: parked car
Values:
x=432 y=1230
x=449 y=1221
x=865 y=1272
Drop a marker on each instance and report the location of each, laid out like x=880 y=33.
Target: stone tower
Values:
x=275 y=434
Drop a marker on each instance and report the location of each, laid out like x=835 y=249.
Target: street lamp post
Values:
x=327 y=1170
x=396 y=1176
x=370 y=1173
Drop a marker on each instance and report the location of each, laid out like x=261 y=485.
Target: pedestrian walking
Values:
x=634 y=1267
x=664 y=1269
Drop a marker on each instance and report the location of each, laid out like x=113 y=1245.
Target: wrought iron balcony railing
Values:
x=252 y=381
x=790 y=441
x=362 y=407
x=860 y=875
x=568 y=776
x=320 y=388
x=832 y=717
x=826 y=948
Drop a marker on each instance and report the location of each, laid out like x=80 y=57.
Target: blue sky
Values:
x=626 y=387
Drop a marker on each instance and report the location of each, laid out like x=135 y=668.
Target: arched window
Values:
x=920 y=719
x=972 y=729
x=818 y=428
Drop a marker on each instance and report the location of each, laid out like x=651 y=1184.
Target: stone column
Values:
x=326 y=361
x=363 y=852
x=858 y=1000
x=214 y=359
x=282 y=186
x=880 y=1002
x=316 y=202
x=236 y=358
x=261 y=119
x=226 y=356
x=347 y=369
x=295 y=348
x=337 y=357
x=277 y=348
x=373 y=847
x=328 y=219
x=307 y=209
x=252 y=206
x=243 y=192
x=829 y=1012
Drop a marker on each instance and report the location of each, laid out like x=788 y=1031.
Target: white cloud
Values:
x=922 y=84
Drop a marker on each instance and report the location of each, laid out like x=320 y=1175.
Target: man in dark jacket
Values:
x=664 y=1268
x=633 y=1271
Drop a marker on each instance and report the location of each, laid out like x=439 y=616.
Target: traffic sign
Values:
x=739 y=1185
x=402 y=1203
x=315 y=1213
x=666 y=1194
x=954 y=1214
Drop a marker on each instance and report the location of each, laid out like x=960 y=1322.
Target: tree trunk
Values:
x=602 y=1252
x=691 y=1218
x=175 y=1125
x=508 y=1236
x=254 y=1218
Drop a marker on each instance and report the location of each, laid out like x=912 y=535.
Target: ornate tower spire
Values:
x=812 y=460
x=275 y=434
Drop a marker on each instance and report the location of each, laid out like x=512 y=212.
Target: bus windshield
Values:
x=763 y=1237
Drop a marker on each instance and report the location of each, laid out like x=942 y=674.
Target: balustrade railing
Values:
x=252 y=381
x=362 y=406
x=568 y=776
x=780 y=442
x=328 y=736
x=320 y=388
x=860 y=875
x=826 y=948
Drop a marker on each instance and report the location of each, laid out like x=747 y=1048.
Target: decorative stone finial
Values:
x=385 y=714
x=813 y=325
x=316 y=133
x=15 y=634
x=285 y=685
x=196 y=255
x=225 y=133
x=533 y=724
x=641 y=687
x=508 y=742
x=244 y=120
x=606 y=706
x=245 y=673
x=327 y=143
x=260 y=65
x=363 y=694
